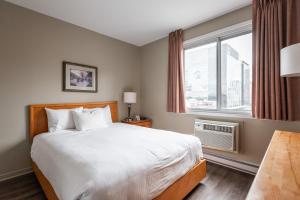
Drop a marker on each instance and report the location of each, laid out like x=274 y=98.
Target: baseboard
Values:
x=246 y=167
x=15 y=173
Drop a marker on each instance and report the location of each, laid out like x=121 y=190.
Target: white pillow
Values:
x=105 y=110
x=61 y=119
x=89 y=119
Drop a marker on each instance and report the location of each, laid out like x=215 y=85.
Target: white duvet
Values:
x=118 y=162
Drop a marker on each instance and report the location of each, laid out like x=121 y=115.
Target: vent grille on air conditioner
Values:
x=217 y=135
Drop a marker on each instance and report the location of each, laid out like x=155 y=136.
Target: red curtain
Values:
x=276 y=24
x=176 y=100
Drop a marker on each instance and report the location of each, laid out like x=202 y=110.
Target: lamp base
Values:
x=129 y=110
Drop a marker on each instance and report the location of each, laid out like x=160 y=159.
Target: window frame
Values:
x=219 y=36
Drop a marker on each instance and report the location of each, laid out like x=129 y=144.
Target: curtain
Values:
x=275 y=25
x=176 y=100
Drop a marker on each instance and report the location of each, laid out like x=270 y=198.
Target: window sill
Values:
x=210 y=113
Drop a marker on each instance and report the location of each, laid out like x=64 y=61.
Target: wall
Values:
x=32 y=48
x=255 y=134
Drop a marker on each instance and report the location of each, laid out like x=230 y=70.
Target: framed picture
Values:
x=79 y=77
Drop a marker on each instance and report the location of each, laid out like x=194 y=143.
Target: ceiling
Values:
x=134 y=21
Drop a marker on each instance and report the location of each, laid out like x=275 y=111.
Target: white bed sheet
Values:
x=119 y=162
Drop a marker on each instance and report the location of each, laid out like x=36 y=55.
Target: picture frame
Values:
x=79 y=77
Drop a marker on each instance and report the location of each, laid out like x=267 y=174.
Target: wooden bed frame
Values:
x=38 y=124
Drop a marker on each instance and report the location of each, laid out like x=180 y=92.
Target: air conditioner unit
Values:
x=218 y=135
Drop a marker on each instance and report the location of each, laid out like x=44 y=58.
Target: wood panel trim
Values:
x=177 y=191
x=38 y=118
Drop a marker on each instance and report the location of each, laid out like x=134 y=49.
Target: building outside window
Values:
x=218 y=73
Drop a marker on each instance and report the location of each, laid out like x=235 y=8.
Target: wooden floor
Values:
x=220 y=183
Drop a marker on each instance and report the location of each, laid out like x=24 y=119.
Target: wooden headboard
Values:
x=38 y=122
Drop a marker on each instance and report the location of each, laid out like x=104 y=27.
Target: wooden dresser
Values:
x=278 y=176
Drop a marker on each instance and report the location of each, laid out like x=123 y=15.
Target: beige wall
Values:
x=32 y=48
x=255 y=134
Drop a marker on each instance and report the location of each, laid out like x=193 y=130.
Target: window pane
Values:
x=236 y=73
x=200 y=77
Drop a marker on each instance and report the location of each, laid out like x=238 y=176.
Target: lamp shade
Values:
x=290 y=61
x=129 y=97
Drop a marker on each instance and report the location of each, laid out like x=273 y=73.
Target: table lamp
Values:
x=129 y=98
x=290 y=61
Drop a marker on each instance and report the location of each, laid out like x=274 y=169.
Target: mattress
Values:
x=118 y=162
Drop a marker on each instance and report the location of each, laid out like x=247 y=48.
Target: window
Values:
x=218 y=73
x=201 y=76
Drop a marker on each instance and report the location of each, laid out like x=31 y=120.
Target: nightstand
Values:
x=145 y=123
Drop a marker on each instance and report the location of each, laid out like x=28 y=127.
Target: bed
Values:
x=173 y=175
